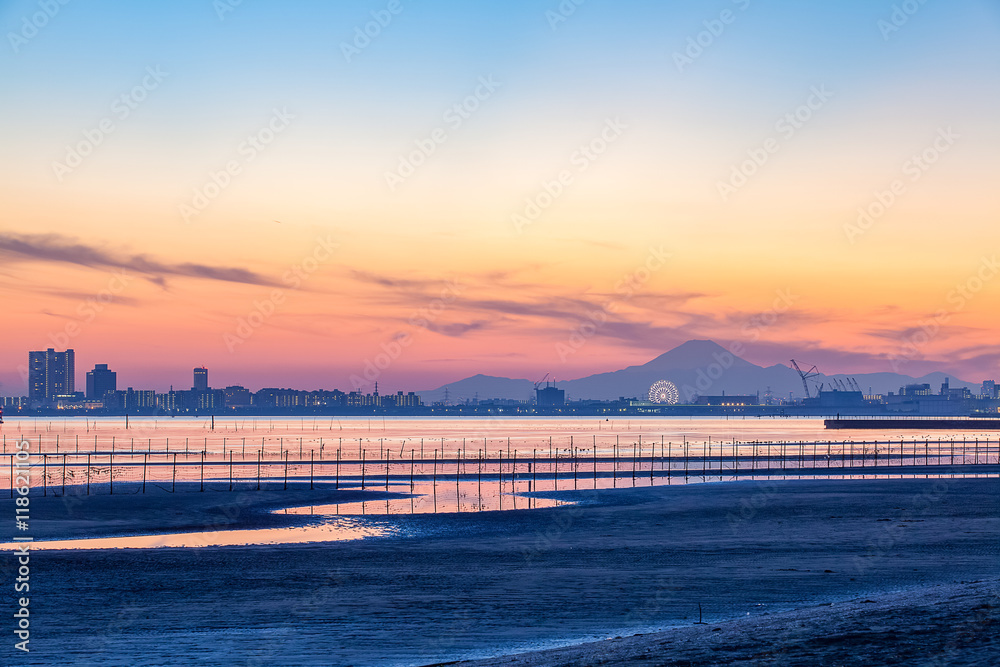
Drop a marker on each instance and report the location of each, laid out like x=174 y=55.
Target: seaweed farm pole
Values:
x=202 y=489
x=88 y=474
x=362 y=470
x=653 y=455
x=513 y=473
x=312 y=462
x=45 y=483
x=337 y=479
x=388 y=453
x=555 y=468
x=411 y=469
x=260 y=455
x=64 y=476
x=633 y=465
x=173 y=473
x=230 y=470
x=500 y=478
x=144 y=456
x=286 y=471
x=534 y=471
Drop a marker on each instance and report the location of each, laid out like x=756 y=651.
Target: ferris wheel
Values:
x=664 y=392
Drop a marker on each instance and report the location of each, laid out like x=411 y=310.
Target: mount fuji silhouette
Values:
x=697 y=367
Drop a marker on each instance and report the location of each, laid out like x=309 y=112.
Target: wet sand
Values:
x=937 y=625
x=453 y=587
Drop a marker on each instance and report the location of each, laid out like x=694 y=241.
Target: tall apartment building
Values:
x=50 y=374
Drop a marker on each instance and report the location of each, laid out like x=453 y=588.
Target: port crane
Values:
x=539 y=383
x=806 y=376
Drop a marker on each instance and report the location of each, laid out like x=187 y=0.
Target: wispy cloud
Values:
x=67 y=250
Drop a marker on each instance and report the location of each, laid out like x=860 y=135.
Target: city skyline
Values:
x=630 y=176
x=708 y=368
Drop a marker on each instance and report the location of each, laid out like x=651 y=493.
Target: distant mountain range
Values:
x=697 y=367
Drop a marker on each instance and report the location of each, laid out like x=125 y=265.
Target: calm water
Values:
x=447 y=465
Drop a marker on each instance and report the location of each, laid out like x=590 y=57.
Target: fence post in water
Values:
x=336 y=483
x=286 y=470
x=362 y=470
x=173 y=475
x=653 y=455
x=534 y=471
x=260 y=455
x=513 y=472
x=230 y=470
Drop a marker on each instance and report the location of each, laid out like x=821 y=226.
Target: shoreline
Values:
x=865 y=630
x=450 y=587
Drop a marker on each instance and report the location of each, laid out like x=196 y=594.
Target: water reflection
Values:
x=336 y=529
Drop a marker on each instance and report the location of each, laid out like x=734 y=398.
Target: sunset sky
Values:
x=496 y=187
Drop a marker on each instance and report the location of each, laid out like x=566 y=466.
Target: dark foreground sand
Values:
x=452 y=587
x=954 y=624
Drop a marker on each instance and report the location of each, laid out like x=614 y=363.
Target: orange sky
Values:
x=644 y=153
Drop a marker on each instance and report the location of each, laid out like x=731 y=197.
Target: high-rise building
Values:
x=100 y=381
x=50 y=374
x=200 y=379
x=236 y=397
x=989 y=389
